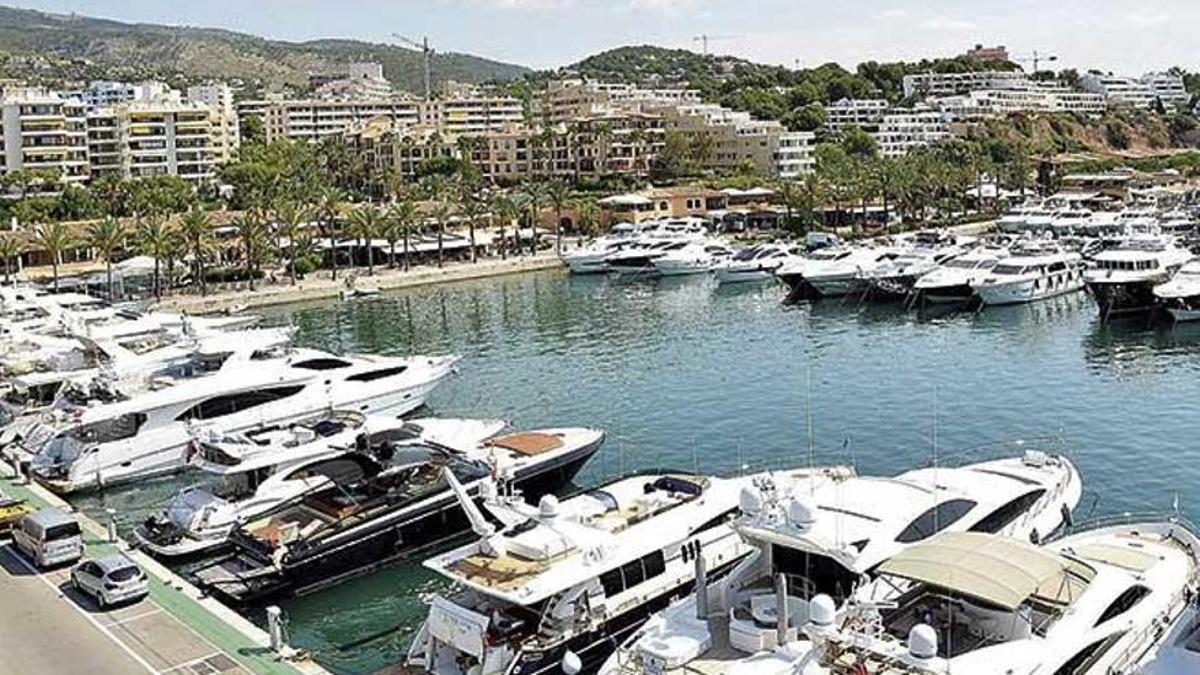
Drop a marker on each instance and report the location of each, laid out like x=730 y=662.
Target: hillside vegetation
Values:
x=54 y=48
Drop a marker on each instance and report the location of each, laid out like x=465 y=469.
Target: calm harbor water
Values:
x=684 y=374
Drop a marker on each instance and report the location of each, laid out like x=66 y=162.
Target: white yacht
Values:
x=827 y=537
x=639 y=259
x=698 y=257
x=1033 y=271
x=831 y=272
x=557 y=586
x=953 y=281
x=1181 y=295
x=1122 y=278
x=593 y=259
x=385 y=503
x=916 y=256
x=262 y=469
x=755 y=263
x=149 y=435
x=1095 y=602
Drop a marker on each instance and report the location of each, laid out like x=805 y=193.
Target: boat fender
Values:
x=571 y=663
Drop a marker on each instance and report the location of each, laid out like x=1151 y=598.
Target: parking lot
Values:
x=49 y=627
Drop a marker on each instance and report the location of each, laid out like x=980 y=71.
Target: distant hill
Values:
x=55 y=47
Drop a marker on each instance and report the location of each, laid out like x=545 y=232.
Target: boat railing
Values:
x=1149 y=635
x=1173 y=517
x=1052 y=445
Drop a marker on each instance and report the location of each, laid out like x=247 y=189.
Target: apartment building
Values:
x=737 y=140
x=472 y=114
x=363 y=80
x=902 y=130
x=104 y=93
x=1166 y=87
x=792 y=153
x=44 y=131
x=982 y=53
x=570 y=99
x=951 y=84
x=218 y=96
x=1045 y=97
x=141 y=139
x=861 y=113
x=1119 y=91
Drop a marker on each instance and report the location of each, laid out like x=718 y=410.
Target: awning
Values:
x=999 y=570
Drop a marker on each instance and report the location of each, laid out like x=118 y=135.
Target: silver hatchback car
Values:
x=111 y=580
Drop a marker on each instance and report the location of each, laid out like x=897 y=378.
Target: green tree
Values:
x=196 y=228
x=557 y=194
x=400 y=221
x=154 y=234
x=253 y=235
x=54 y=238
x=365 y=223
x=11 y=247
x=107 y=236
x=508 y=212
x=291 y=219
x=329 y=205
x=533 y=195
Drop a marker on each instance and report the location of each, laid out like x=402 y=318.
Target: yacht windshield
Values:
x=967 y=264
x=1009 y=269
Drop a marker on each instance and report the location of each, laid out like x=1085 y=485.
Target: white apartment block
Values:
x=988 y=103
x=472 y=114
x=141 y=139
x=571 y=99
x=862 y=113
x=104 y=93
x=901 y=131
x=44 y=131
x=738 y=140
x=1119 y=91
x=950 y=84
x=218 y=96
x=792 y=153
x=363 y=80
x=1167 y=87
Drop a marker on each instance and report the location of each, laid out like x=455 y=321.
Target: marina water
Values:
x=686 y=375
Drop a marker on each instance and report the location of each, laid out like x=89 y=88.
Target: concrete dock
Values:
x=47 y=627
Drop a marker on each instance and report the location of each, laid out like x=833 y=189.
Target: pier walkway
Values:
x=47 y=627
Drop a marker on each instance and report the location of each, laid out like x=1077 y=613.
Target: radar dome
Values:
x=802 y=513
x=548 y=507
x=822 y=611
x=922 y=641
x=750 y=501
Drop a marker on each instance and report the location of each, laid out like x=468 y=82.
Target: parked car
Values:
x=111 y=580
x=49 y=537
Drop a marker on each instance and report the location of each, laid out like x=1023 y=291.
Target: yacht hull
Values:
x=730 y=275
x=588 y=265
x=946 y=295
x=1020 y=292
x=249 y=576
x=1123 y=298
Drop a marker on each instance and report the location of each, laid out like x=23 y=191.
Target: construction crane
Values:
x=1035 y=58
x=704 y=39
x=427 y=51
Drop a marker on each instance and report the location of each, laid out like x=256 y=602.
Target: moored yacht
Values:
x=1033 y=270
x=827 y=538
x=258 y=471
x=1181 y=295
x=1095 y=602
x=557 y=586
x=831 y=272
x=149 y=435
x=755 y=263
x=384 y=503
x=916 y=256
x=953 y=281
x=1122 y=278
x=593 y=259
x=698 y=257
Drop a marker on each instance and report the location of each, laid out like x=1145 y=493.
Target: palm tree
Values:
x=106 y=236
x=154 y=239
x=196 y=228
x=10 y=248
x=533 y=194
x=290 y=218
x=365 y=223
x=557 y=193
x=471 y=205
x=252 y=231
x=329 y=203
x=401 y=218
x=54 y=238
x=441 y=215
x=586 y=217
x=508 y=211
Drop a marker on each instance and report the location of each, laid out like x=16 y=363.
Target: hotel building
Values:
x=45 y=132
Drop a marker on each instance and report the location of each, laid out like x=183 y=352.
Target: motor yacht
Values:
x=593 y=259
x=558 y=585
x=917 y=255
x=698 y=257
x=831 y=272
x=969 y=602
x=639 y=259
x=755 y=263
x=827 y=538
x=260 y=470
x=1033 y=270
x=149 y=435
x=1122 y=278
x=385 y=503
x=953 y=281
x=1181 y=295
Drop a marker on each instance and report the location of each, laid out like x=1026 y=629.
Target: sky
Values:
x=1122 y=36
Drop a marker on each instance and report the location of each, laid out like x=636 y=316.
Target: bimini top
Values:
x=1000 y=570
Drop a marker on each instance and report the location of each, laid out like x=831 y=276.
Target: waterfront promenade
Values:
x=53 y=628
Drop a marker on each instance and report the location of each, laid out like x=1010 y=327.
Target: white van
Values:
x=49 y=537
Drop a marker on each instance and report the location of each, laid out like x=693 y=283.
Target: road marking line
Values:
x=91 y=619
x=135 y=617
x=193 y=662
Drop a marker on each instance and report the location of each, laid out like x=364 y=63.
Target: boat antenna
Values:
x=810 y=443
